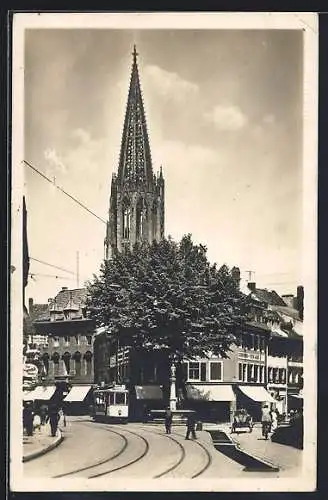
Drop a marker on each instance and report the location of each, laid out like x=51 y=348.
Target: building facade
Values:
x=136 y=206
x=68 y=355
x=263 y=366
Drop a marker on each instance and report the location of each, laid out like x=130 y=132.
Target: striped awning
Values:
x=41 y=393
x=257 y=393
x=213 y=392
x=78 y=393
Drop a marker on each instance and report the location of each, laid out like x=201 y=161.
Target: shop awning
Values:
x=42 y=393
x=78 y=393
x=215 y=392
x=257 y=393
x=297 y=396
x=148 y=392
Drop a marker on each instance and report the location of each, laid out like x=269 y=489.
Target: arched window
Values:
x=141 y=218
x=66 y=358
x=126 y=219
x=154 y=219
x=88 y=359
x=77 y=359
x=55 y=359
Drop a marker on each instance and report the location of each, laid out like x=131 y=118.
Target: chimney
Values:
x=289 y=300
x=252 y=286
x=235 y=273
x=30 y=305
x=300 y=301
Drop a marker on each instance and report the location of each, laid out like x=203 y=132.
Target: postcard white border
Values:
x=308 y=22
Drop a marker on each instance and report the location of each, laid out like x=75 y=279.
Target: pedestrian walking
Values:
x=43 y=414
x=53 y=418
x=274 y=420
x=266 y=421
x=62 y=416
x=28 y=418
x=191 y=423
x=168 y=420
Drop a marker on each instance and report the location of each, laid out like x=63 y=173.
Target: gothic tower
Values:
x=136 y=206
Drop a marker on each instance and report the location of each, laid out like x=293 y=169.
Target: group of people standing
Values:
x=35 y=418
x=191 y=424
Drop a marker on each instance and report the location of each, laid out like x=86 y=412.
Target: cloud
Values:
x=55 y=161
x=81 y=135
x=169 y=84
x=227 y=117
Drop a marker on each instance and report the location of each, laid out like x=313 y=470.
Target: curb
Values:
x=43 y=451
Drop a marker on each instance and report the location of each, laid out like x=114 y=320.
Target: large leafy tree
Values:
x=168 y=296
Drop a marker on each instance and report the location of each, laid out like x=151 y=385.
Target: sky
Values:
x=224 y=115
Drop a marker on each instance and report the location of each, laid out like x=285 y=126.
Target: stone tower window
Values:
x=126 y=222
x=141 y=218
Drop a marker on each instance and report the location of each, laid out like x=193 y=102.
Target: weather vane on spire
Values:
x=135 y=53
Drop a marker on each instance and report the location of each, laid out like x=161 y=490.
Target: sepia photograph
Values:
x=163 y=252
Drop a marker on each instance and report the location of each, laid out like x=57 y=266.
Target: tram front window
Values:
x=120 y=398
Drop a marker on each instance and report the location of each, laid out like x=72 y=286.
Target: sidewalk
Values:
x=40 y=443
x=287 y=458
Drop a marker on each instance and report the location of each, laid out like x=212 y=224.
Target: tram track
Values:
x=100 y=462
x=122 y=434
x=183 y=455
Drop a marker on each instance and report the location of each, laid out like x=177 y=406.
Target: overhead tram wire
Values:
x=64 y=192
x=52 y=265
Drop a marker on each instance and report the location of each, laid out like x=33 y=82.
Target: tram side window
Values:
x=111 y=398
x=120 y=398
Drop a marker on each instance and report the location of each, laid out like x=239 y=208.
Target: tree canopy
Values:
x=166 y=295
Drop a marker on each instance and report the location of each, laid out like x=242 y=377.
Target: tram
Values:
x=111 y=404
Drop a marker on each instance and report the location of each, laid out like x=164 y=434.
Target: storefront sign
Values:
x=30 y=370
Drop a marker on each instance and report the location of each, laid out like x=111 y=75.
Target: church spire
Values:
x=135 y=166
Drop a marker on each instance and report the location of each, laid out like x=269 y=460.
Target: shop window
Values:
x=89 y=339
x=56 y=342
x=276 y=375
x=256 y=373
x=66 y=340
x=282 y=375
x=77 y=339
x=215 y=371
x=270 y=374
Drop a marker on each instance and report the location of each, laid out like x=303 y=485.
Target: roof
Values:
x=268 y=297
x=73 y=299
x=78 y=296
x=37 y=312
x=135 y=158
x=287 y=311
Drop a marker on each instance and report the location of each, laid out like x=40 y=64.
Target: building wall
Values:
x=69 y=351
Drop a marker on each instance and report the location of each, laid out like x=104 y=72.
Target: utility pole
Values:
x=77 y=270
